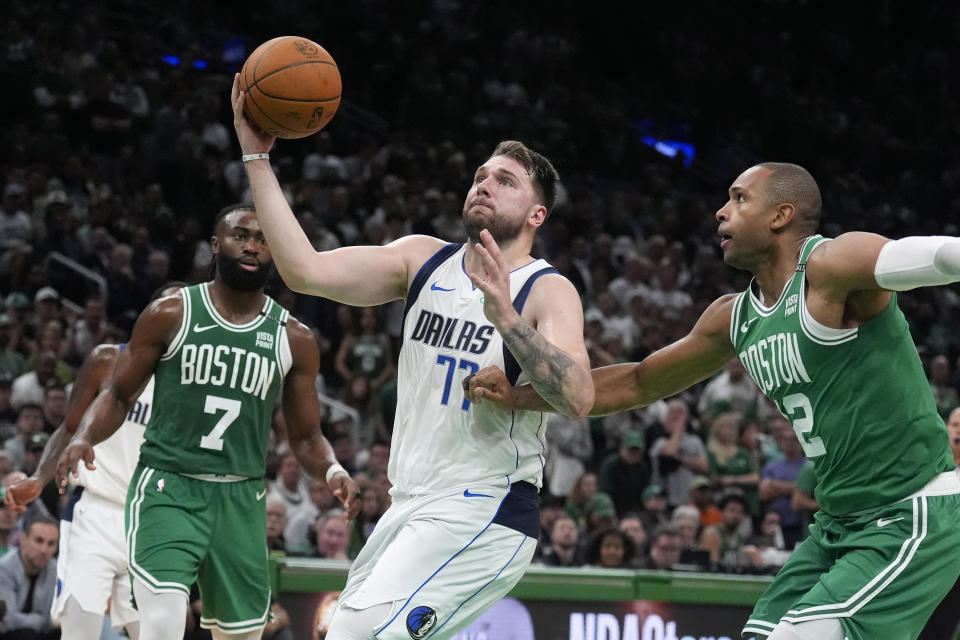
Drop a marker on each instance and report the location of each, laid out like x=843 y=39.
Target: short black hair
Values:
x=791 y=183
x=40 y=518
x=732 y=497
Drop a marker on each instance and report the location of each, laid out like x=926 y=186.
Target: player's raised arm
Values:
x=359 y=276
x=860 y=261
x=620 y=387
x=153 y=332
x=301 y=410
x=94 y=373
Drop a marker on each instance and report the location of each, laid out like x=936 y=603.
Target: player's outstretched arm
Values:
x=552 y=354
x=94 y=373
x=153 y=332
x=359 y=276
x=620 y=387
x=301 y=411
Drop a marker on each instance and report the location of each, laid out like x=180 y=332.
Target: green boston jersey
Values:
x=857 y=398
x=214 y=391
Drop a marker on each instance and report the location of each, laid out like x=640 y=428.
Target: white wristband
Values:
x=334 y=470
x=255 y=156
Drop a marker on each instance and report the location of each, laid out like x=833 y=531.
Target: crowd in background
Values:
x=117 y=157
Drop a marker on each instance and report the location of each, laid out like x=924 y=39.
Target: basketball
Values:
x=292 y=87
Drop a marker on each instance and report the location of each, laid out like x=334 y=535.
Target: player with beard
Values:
x=220 y=352
x=463 y=522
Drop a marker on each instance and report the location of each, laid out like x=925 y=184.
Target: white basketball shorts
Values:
x=443 y=559
x=92 y=565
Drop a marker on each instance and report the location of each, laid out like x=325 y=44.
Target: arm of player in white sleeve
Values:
x=918 y=261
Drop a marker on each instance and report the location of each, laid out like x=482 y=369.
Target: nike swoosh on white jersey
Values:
x=198 y=329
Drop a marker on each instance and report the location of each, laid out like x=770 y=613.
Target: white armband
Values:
x=918 y=261
x=333 y=470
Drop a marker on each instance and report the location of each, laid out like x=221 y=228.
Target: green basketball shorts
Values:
x=881 y=573
x=182 y=530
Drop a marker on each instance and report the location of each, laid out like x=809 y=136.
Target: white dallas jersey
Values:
x=440 y=439
x=116 y=457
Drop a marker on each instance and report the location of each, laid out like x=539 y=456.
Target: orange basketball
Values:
x=292 y=87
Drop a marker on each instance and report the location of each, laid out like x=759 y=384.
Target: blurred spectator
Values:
x=632 y=526
x=583 y=490
x=778 y=480
x=16 y=226
x=767 y=549
x=12 y=362
x=600 y=513
x=276 y=523
x=724 y=540
x=655 y=510
x=666 y=545
x=944 y=394
x=8 y=417
x=125 y=297
x=610 y=549
x=686 y=520
x=296 y=535
x=731 y=390
x=291 y=484
x=371 y=508
x=367 y=353
x=52 y=337
x=29 y=388
x=564 y=549
x=8 y=523
x=29 y=423
x=27 y=581
x=730 y=464
x=91 y=329
x=701 y=497
x=624 y=475
x=54 y=406
x=551 y=508
x=569 y=450
x=333 y=535
x=678 y=456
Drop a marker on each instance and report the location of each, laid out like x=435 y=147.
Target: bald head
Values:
x=792 y=184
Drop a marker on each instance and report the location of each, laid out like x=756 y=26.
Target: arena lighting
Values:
x=199 y=64
x=173 y=61
x=671 y=148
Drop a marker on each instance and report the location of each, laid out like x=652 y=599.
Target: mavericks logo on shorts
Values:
x=420 y=622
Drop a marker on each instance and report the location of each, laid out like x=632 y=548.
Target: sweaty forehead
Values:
x=246 y=218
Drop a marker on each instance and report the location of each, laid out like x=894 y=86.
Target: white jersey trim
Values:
x=181 y=335
x=222 y=322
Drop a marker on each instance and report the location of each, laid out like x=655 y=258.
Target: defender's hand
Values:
x=346 y=491
x=70 y=458
x=489 y=384
x=252 y=140
x=19 y=495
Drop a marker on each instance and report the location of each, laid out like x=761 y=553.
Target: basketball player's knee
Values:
x=358 y=624
x=159 y=613
x=828 y=629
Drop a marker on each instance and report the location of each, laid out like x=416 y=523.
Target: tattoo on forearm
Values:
x=550 y=370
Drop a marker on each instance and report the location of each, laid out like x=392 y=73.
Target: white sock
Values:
x=77 y=624
x=163 y=616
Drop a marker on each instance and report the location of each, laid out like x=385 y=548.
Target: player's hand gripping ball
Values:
x=291 y=87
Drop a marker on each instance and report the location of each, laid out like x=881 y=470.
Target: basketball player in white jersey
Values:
x=92 y=563
x=463 y=522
